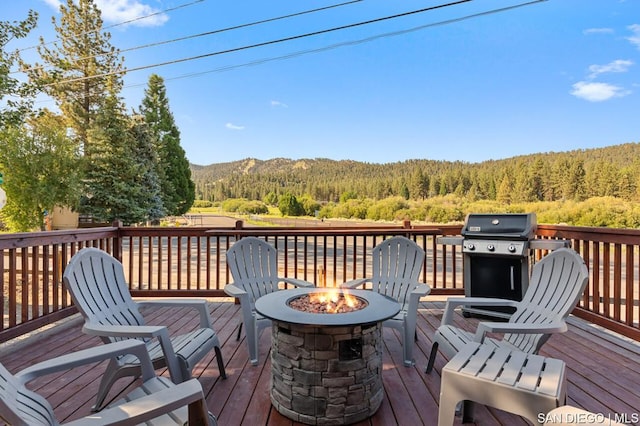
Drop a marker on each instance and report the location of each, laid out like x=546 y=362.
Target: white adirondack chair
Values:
x=254 y=268
x=397 y=263
x=556 y=284
x=98 y=288
x=156 y=399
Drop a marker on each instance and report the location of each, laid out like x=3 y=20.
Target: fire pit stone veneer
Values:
x=326 y=368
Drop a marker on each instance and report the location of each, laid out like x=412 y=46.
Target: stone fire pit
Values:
x=326 y=368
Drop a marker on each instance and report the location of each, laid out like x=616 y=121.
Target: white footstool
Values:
x=520 y=383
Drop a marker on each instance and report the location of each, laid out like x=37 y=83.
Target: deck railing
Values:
x=190 y=261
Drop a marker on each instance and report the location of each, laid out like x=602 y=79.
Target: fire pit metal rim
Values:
x=276 y=307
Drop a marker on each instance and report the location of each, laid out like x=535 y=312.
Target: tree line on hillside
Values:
x=571 y=176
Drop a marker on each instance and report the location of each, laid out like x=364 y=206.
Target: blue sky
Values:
x=466 y=82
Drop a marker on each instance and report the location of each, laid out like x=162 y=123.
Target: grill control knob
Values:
x=491 y=247
x=470 y=246
x=512 y=248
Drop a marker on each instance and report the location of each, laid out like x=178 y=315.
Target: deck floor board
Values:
x=603 y=371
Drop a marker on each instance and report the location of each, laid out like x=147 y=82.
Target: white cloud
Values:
x=117 y=11
x=598 y=31
x=279 y=104
x=619 y=65
x=54 y=4
x=120 y=11
x=635 y=38
x=233 y=126
x=597 y=92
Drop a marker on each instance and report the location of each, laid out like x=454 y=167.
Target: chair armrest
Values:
x=354 y=283
x=145 y=332
x=198 y=304
x=89 y=356
x=234 y=291
x=151 y=406
x=454 y=302
x=126 y=331
x=297 y=282
x=508 y=327
x=420 y=290
x=414 y=298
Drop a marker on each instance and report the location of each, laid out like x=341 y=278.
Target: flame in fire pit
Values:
x=328 y=302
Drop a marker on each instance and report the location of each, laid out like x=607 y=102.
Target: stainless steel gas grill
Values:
x=497 y=249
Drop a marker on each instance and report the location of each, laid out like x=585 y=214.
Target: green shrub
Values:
x=201 y=204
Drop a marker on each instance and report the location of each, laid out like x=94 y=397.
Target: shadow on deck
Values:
x=603 y=371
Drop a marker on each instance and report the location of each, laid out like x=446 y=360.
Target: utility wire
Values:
x=346 y=43
x=264 y=21
x=140 y=18
x=350 y=43
x=342 y=44
x=250 y=24
x=153 y=14
x=267 y=43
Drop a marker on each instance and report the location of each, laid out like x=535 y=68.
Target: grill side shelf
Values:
x=450 y=241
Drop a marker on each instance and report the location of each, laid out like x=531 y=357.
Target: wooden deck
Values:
x=603 y=371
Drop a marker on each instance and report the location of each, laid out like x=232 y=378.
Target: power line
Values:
x=236 y=27
x=291 y=15
x=351 y=43
x=153 y=14
x=325 y=48
x=122 y=23
x=267 y=43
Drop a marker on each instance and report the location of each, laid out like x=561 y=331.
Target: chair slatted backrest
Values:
x=555 y=287
x=397 y=262
x=20 y=406
x=253 y=266
x=99 y=289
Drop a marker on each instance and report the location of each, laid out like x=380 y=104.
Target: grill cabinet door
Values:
x=503 y=277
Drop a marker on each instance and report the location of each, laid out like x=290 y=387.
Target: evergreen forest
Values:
x=589 y=187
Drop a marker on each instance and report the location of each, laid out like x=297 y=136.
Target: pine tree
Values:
x=150 y=197
x=79 y=66
x=576 y=181
x=177 y=188
x=523 y=186
x=419 y=189
x=113 y=190
x=505 y=190
x=627 y=186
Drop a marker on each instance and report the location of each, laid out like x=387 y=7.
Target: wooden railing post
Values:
x=238 y=225
x=117 y=241
x=322 y=276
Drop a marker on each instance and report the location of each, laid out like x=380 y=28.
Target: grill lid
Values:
x=515 y=226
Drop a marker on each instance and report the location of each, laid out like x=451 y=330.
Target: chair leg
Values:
x=252 y=334
x=223 y=373
x=432 y=357
x=467 y=411
x=446 y=409
x=239 y=331
x=408 y=342
x=111 y=374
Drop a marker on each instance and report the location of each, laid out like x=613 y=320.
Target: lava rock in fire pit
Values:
x=328 y=303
